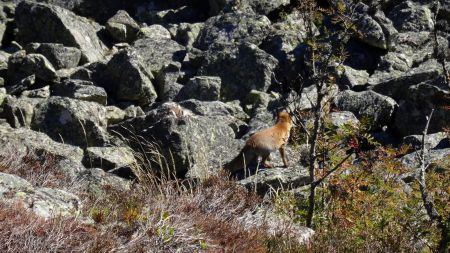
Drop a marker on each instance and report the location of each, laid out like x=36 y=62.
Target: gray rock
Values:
x=263 y=7
x=411 y=16
x=214 y=108
x=122 y=27
x=241 y=69
x=127 y=78
x=274 y=224
x=72 y=121
x=276 y=178
x=261 y=106
x=44 y=202
x=2 y=96
x=186 y=33
x=82 y=90
x=159 y=52
x=38 y=22
x=371 y=31
x=95 y=181
x=196 y=143
x=339 y=119
x=53 y=202
x=24 y=70
x=61 y=57
x=416 y=105
x=109 y=158
x=204 y=88
x=233 y=28
x=393 y=84
x=413 y=161
x=377 y=108
x=19 y=112
x=154 y=32
x=43 y=92
x=285 y=36
x=114 y=115
x=23 y=140
x=431 y=140
x=133 y=111
x=354 y=78
x=167 y=81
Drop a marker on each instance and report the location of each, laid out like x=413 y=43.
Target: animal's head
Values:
x=284 y=117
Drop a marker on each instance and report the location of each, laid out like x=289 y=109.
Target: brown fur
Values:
x=264 y=142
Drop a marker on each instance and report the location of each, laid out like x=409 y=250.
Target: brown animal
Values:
x=264 y=142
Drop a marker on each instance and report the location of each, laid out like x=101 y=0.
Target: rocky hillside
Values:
x=108 y=89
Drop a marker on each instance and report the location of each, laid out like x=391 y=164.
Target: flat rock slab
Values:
x=276 y=178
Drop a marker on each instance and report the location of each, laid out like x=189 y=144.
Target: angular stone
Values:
x=72 y=121
x=196 y=143
x=82 y=90
x=236 y=27
x=24 y=69
x=241 y=69
x=43 y=92
x=158 y=52
x=25 y=140
x=126 y=78
x=431 y=141
x=339 y=119
x=377 y=108
x=61 y=57
x=109 y=158
x=154 y=31
x=416 y=105
x=19 y=112
x=204 y=88
x=38 y=22
x=122 y=27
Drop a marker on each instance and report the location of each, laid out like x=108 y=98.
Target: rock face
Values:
x=241 y=69
x=71 y=121
x=378 y=108
x=45 y=23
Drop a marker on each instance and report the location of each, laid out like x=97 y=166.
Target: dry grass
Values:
x=158 y=214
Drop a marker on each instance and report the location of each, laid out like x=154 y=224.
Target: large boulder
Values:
x=159 y=52
x=416 y=105
x=26 y=140
x=394 y=83
x=205 y=88
x=233 y=27
x=126 y=78
x=378 y=109
x=109 y=158
x=122 y=27
x=370 y=30
x=72 y=121
x=186 y=141
x=24 y=70
x=263 y=7
x=241 y=68
x=60 y=56
x=82 y=90
x=412 y=16
x=44 y=202
x=38 y=22
x=19 y=112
